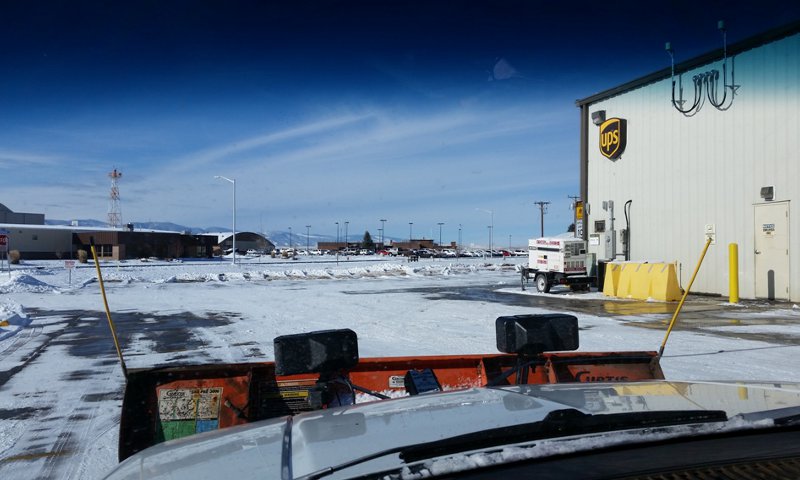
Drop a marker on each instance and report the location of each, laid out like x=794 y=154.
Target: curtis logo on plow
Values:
x=613 y=136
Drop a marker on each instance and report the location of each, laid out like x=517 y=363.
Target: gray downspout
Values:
x=584 y=167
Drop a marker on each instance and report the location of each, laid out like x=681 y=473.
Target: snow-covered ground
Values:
x=61 y=386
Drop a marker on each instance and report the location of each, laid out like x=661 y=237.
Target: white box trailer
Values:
x=556 y=261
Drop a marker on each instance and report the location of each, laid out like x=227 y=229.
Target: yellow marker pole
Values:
x=733 y=273
x=683 y=299
x=108 y=312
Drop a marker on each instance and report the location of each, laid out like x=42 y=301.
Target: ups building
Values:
x=706 y=148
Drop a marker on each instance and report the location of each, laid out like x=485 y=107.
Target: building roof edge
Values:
x=749 y=43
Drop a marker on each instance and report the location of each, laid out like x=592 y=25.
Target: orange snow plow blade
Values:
x=165 y=403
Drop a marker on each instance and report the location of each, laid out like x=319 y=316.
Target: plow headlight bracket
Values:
x=529 y=335
x=324 y=351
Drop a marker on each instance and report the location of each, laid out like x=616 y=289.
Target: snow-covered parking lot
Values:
x=61 y=385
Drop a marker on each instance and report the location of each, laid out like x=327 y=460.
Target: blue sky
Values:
x=326 y=111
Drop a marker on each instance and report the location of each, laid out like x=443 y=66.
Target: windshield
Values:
x=183 y=183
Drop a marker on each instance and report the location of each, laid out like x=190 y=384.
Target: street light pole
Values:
x=383 y=232
x=459 y=239
x=308 y=233
x=291 y=247
x=233 y=181
x=410 y=236
x=491 y=228
x=440 y=233
x=337 y=243
x=346 y=237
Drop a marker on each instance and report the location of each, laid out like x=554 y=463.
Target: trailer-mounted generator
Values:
x=556 y=261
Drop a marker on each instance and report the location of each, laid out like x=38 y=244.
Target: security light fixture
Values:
x=768 y=193
x=598 y=117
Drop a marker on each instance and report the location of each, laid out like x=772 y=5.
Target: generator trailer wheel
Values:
x=542 y=283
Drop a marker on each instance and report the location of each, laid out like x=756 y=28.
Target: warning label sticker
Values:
x=397 y=381
x=189 y=403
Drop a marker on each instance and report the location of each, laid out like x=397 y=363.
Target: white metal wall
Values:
x=683 y=173
x=35 y=239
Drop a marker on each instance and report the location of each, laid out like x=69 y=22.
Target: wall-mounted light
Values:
x=768 y=193
x=598 y=117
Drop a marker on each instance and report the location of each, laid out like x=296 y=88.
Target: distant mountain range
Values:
x=168 y=226
x=278 y=238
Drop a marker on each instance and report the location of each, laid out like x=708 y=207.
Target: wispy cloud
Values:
x=26 y=159
x=229 y=150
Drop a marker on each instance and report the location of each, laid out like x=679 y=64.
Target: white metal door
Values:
x=772 y=250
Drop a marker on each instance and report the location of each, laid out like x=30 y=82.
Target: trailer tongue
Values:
x=323 y=370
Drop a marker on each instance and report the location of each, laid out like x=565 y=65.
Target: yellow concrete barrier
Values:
x=642 y=281
x=613 y=271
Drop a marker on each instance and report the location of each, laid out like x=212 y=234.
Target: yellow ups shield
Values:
x=613 y=137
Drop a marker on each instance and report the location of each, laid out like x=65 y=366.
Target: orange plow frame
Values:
x=235 y=394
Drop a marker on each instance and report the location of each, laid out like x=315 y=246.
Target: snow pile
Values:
x=124 y=278
x=343 y=271
x=51 y=277
x=12 y=319
x=22 y=282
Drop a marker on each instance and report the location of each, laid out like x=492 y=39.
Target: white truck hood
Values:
x=331 y=437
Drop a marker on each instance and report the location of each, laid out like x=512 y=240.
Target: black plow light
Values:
x=324 y=351
x=530 y=335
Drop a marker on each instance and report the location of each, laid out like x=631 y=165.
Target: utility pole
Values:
x=542 y=211
x=575 y=228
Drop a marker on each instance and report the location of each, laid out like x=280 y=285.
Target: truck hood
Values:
x=310 y=442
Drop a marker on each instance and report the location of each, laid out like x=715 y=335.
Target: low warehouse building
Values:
x=708 y=149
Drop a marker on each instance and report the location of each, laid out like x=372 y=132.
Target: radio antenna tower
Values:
x=114 y=211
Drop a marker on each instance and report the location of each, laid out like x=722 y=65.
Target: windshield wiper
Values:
x=782 y=417
x=558 y=423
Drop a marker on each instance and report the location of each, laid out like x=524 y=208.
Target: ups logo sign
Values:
x=613 y=136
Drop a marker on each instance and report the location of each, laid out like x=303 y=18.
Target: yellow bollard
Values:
x=733 y=273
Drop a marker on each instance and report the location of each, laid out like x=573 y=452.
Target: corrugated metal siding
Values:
x=685 y=172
